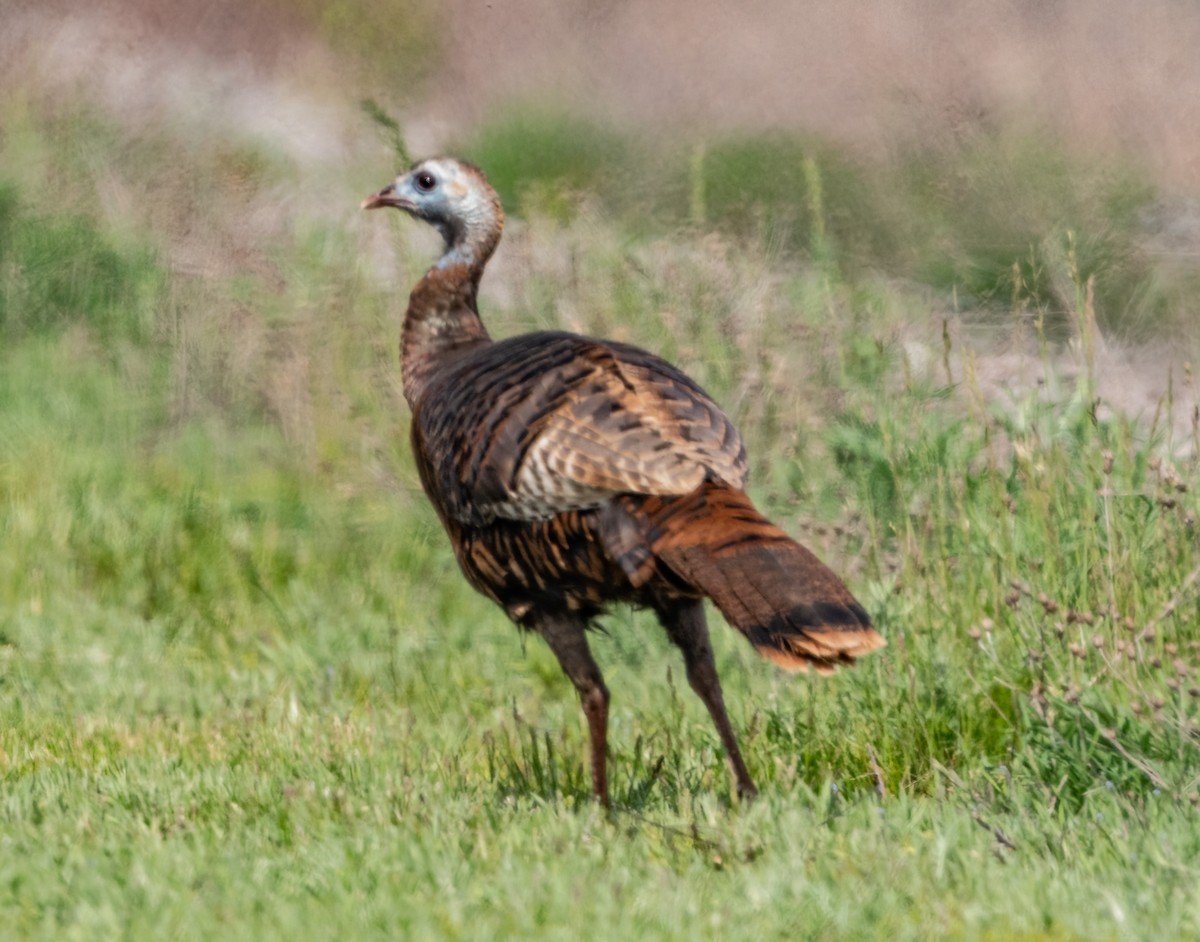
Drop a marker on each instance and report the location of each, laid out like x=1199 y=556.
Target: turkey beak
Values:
x=386 y=197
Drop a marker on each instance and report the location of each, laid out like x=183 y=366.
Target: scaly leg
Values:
x=568 y=640
x=684 y=621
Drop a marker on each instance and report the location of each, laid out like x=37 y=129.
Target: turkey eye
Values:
x=425 y=182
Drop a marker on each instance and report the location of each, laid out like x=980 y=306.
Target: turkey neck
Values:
x=443 y=316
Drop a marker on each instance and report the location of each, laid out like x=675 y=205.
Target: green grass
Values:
x=541 y=160
x=244 y=692
x=1004 y=219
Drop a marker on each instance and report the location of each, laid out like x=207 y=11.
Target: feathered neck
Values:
x=443 y=315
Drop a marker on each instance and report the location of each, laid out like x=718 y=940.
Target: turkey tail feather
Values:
x=789 y=604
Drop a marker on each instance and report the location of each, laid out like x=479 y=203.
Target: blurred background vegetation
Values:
x=939 y=264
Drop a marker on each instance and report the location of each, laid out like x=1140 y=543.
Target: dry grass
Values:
x=1118 y=76
x=1110 y=75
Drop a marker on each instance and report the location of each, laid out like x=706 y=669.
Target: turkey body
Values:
x=523 y=445
x=572 y=473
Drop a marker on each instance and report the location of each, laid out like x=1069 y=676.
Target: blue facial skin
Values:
x=447 y=202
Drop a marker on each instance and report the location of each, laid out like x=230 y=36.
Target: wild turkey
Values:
x=572 y=473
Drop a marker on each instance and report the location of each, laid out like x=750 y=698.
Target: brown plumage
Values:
x=572 y=473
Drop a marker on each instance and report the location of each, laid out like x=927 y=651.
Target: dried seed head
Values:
x=1156 y=662
x=1097 y=641
x=974 y=634
x=987 y=624
x=1129 y=623
x=1155 y=463
x=1048 y=604
x=1078 y=650
x=1180 y=667
x=1012 y=599
x=1149 y=635
x=1108 y=462
x=1171 y=648
x=1158 y=703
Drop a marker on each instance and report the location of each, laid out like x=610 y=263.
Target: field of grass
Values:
x=244 y=692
